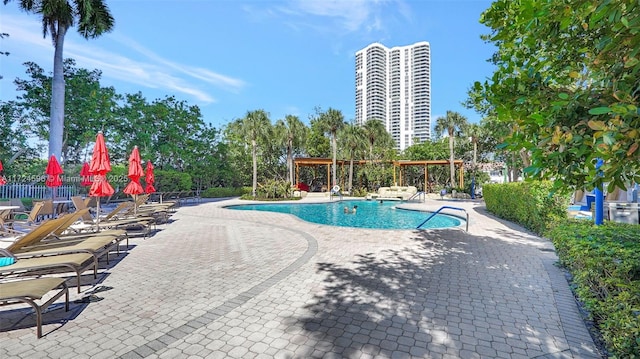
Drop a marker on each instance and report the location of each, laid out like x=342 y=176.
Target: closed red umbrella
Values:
x=149 y=178
x=53 y=180
x=135 y=172
x=99 y=167
x=53 y=173
x=85 y=175
x=3 y=181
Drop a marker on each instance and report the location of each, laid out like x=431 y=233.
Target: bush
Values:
x=218 y=192
x=605 y=264
x=530 y=204
x=272 y=189
x=172 y=181
x=359 y=192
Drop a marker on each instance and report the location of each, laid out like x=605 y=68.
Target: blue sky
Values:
x=286 y=57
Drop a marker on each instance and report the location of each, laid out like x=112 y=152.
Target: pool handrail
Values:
x=418 y=195
x=440 y=209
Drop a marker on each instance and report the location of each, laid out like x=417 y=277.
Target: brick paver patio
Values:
x=219 y=283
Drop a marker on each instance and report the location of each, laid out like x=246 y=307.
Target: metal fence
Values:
x=16 y=190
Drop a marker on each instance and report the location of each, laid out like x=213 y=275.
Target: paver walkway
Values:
x=219 y=283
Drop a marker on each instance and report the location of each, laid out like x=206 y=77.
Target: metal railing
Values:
x=418 y=195
x=17 y=190
x=440 y=209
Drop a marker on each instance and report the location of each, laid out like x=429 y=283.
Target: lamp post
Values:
x=599 y=203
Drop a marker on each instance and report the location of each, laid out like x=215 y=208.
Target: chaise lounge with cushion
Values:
x=403 y=193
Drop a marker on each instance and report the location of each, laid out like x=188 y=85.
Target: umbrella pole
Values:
x=98 y=214
x=135 y=204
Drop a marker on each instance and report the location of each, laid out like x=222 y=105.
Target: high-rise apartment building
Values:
x=394 y=85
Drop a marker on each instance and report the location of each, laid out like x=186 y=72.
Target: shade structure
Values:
x=85 y=175
x=149 y=178
x=53 y=173
x=99 y=167
x=3 y=181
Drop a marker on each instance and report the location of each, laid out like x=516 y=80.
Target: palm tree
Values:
x=332 y=121
x=375 y=132
x=352 y=139
x=93 y=18
x=453 y=123
x=474 y=131
x=293 y=133
x=255 y=126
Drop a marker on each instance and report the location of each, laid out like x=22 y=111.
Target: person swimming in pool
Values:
x=346 y=209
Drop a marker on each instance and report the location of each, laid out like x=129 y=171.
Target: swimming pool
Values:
x=370 y=214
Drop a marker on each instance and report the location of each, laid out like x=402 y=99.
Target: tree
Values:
x=89 y=107
x=375 y=133
x=566 y=82
x=293 y=132
x=352 y=140
x=14 y=144
x=318 y=145
x=2 y=36
x=332 y=121
x=93 y=18
x=453 y=123
x=474 y=131
x=254 y=126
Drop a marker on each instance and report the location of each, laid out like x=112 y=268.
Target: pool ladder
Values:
x=418 y=195
x=440 y=209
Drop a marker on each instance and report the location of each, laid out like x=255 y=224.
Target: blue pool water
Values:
x=370 y=214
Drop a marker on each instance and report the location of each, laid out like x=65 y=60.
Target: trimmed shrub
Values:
x=218 y=192
x=605 y=264
x=530 y=204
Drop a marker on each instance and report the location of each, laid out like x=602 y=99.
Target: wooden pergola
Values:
x=312 y=162
x=426 y=164
x=316 y=162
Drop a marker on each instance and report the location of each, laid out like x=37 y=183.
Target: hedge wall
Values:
x=530 y=204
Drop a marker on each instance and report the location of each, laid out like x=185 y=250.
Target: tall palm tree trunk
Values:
x=335 y=150
x=254 y=155
x=56 y=122
x=290 y=160
x=452 y=167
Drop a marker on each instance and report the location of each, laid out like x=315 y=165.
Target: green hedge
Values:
x=529 y=204
x=605 y=264
x=218 y=192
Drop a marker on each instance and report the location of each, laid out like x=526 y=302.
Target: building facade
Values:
x=394 y=85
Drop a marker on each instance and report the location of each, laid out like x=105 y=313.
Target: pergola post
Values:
x=426 y=174
x=394 y=172
x=297 y=174
x=328 y=177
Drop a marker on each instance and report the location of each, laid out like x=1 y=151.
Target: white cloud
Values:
x=349 y=15
x=206 y=75
x=151 y=70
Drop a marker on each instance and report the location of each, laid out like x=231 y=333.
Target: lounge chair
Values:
x=25 y=221
x=29 y=290
x=45 y=240
x=115 y=219
x=75 y=262
x=618 y=195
